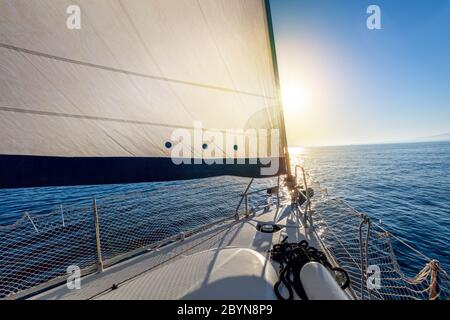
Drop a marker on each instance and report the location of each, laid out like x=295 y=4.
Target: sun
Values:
x=294 y=99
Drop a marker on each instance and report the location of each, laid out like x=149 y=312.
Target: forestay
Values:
x=100 y=104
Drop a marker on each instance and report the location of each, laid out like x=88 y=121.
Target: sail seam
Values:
x=96 y=118
x=127 y=72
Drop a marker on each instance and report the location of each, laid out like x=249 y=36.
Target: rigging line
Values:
x=127 y=72
x=393 y=235
x=272 y=46
x=404 y=242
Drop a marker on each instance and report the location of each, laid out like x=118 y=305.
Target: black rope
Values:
x=292 y=257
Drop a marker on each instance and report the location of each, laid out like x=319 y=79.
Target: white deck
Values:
x=228 y=261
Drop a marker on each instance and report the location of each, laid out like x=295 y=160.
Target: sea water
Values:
x=406 y=187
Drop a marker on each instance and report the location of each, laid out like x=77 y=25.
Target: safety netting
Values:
x=37 y=250
x=368 y=252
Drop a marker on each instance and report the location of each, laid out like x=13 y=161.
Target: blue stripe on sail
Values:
x=18 y=171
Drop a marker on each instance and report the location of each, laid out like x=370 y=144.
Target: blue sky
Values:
x=359 y=85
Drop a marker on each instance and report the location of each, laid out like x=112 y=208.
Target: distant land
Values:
x=435 y=138
x=439 y=137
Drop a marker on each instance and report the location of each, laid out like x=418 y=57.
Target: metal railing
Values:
x=36 y=251
x=247 y=193
x=244 y=198
x=357 y=244
x=301 y=189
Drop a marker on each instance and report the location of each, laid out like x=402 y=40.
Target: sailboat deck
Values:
x=179 y=270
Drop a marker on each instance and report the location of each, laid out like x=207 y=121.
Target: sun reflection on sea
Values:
x=296 y=155
x=296 y=150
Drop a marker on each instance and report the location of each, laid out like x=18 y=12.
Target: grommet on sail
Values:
x=100 y=103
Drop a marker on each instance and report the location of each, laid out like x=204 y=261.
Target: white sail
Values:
x=132 y=73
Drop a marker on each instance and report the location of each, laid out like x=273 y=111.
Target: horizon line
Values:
x=368 y=143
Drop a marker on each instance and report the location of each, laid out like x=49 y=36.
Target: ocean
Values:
x=406 y=187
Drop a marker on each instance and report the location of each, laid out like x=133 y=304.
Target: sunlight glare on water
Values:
x=407 y=186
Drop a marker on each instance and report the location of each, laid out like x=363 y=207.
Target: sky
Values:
x=345 y=84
